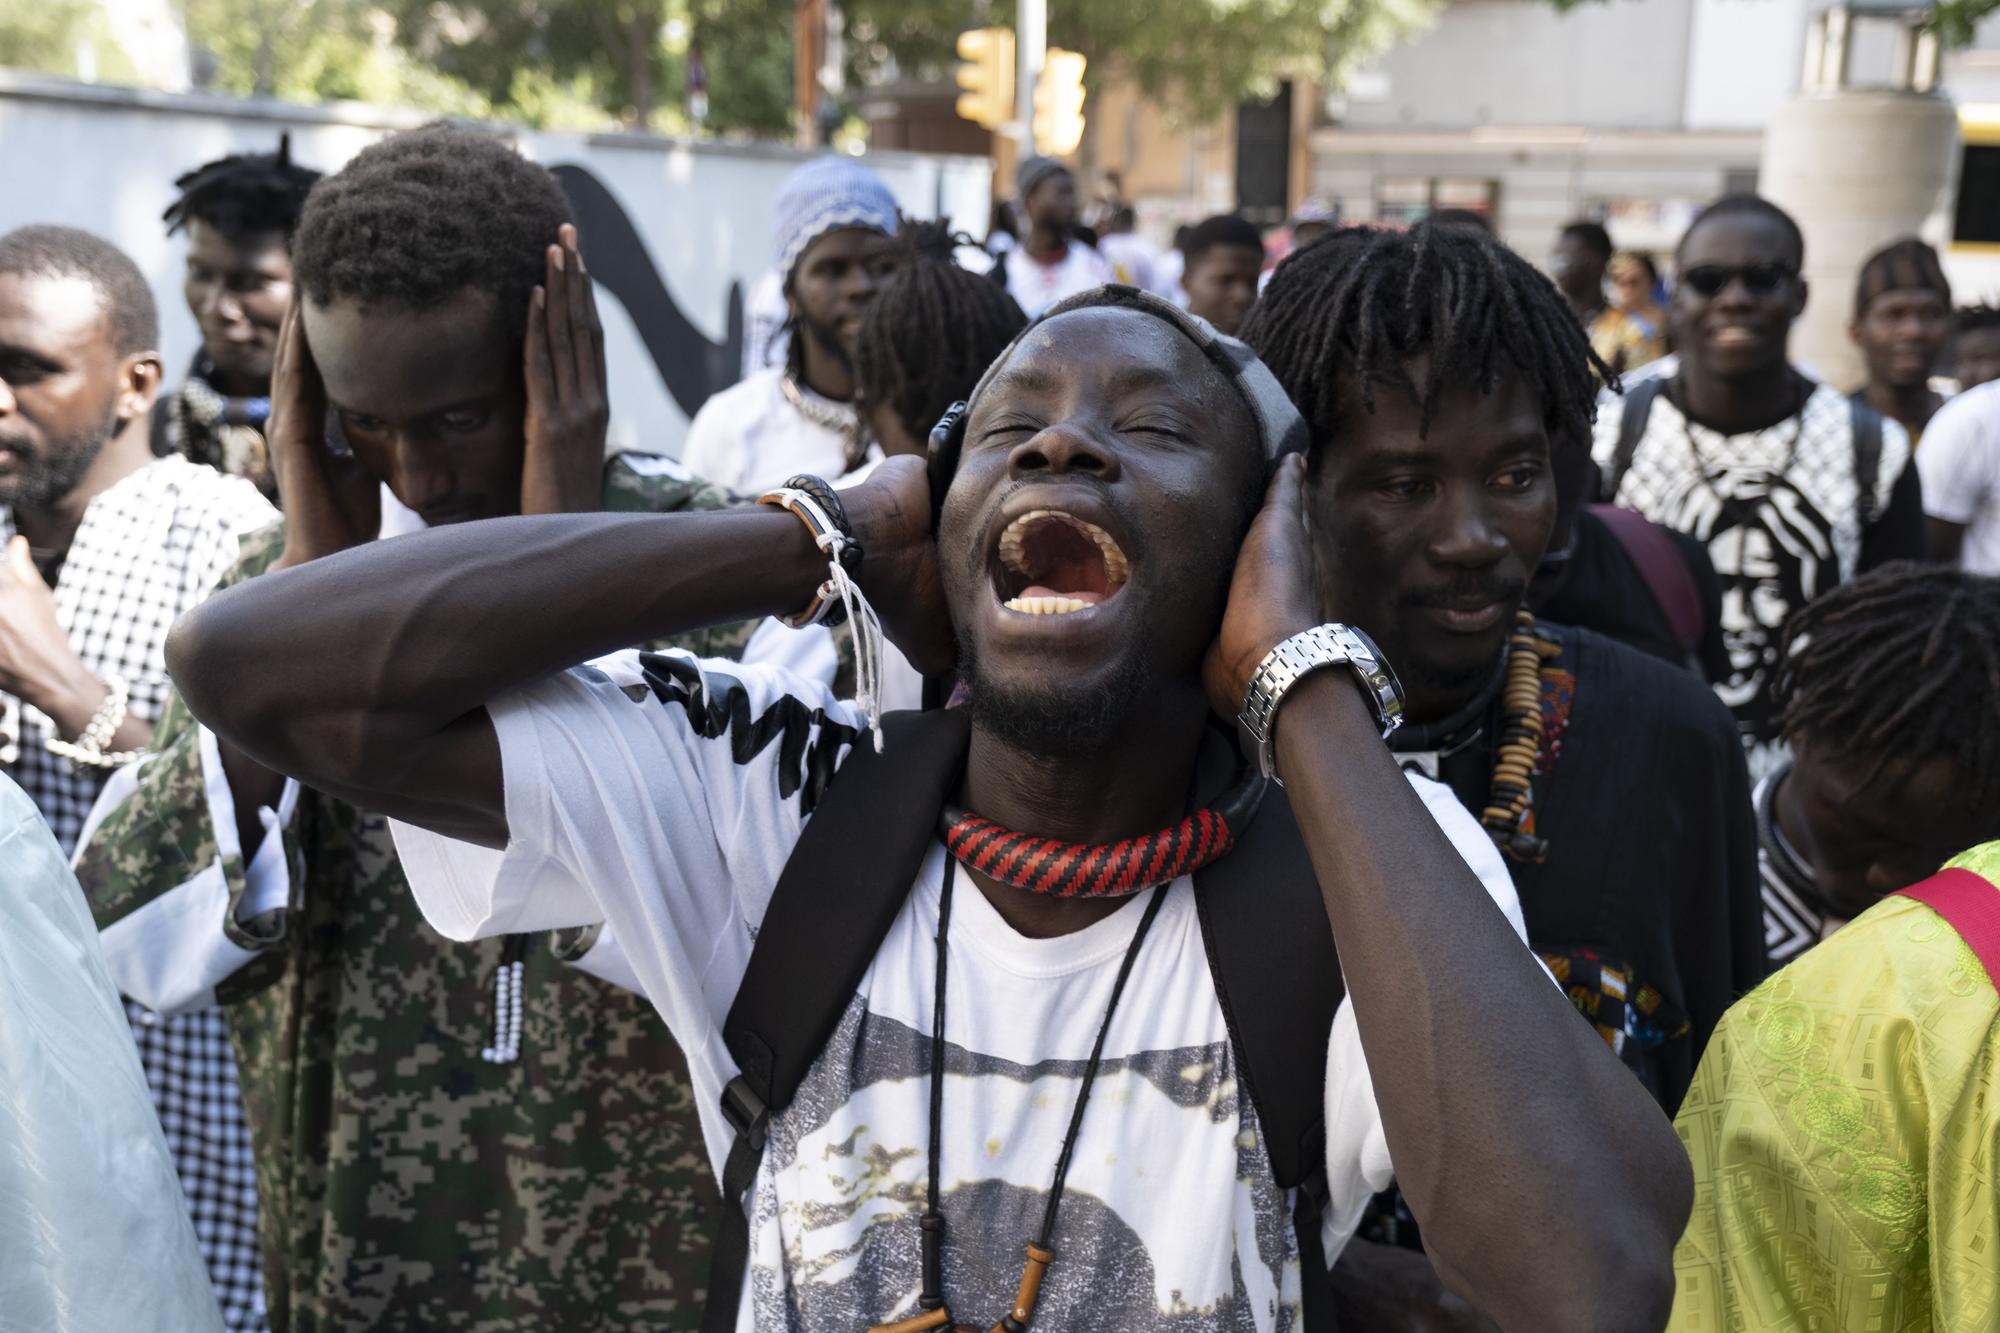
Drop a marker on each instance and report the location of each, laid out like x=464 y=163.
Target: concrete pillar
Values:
x=1858 y=168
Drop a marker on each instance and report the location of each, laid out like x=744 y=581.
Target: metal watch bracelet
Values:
x=1298 y=657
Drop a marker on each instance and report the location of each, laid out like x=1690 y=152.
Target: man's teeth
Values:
x=1046 y=606
x=1116 y=568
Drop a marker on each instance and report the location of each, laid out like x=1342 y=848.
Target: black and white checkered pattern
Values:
x=192 y=1071
x=1780 y=512
x=148 y=549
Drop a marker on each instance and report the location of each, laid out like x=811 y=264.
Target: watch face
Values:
x=1382 y=683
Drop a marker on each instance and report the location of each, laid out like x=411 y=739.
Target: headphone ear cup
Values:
x=947 y=442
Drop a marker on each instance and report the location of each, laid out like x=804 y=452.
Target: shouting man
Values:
x=447 y=1136
x=832 y=225
x=239 y=213
x=1442 y=379
x=897 y=1008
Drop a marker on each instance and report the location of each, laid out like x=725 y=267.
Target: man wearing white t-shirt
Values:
x=1050 y=264
x=832 y=227
x=1087 y=574
x=1960 y=467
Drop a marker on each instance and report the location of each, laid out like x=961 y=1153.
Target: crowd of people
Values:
x=853 y=875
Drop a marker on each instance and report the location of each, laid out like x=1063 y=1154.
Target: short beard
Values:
x=1061 y=721
x=828 y=340
x=53 y=472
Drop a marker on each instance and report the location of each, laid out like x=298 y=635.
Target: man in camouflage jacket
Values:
x=497 y=1136
x=406 y=1177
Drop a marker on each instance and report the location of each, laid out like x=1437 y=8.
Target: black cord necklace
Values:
x=933 y=1313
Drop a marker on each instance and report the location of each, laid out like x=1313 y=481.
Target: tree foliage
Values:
x=1199 y=56
x=58 y=37
x=591 y=63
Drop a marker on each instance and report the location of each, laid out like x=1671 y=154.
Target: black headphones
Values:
x=947 y=442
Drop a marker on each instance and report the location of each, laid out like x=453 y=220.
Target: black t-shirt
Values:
x=1643 y=798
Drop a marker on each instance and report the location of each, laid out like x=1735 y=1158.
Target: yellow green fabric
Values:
x=1842 y=1128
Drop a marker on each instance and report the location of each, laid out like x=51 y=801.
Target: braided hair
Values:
x=1357 y=306
x=244 y=194
x=1900 y=666
x=932 y=330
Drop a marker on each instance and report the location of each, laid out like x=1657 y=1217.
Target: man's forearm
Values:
x=384 y=646
x=1466 y=1038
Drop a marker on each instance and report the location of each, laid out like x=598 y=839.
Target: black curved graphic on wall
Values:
x=691 y=366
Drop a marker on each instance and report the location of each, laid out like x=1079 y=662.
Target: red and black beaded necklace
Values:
x=1057 y=869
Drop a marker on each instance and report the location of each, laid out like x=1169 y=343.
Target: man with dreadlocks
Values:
x=832 y=229
x=1444 y=382
x=1843 y=1121
x=447 y=1136
x=1120 y=553
x=239 y=213
x=1793 y=488
x=1883 y=783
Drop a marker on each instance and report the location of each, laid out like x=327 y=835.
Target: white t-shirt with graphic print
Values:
x=620 y=810
x=1779 y=511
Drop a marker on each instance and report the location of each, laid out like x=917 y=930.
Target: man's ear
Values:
x=1799 y=300
x=140 y=376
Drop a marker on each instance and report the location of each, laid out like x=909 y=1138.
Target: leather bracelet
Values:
x=816 y=505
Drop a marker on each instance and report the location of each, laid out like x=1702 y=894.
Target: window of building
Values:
x=1403 y=200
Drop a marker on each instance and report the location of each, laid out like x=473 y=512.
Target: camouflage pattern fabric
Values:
x=405 y=1180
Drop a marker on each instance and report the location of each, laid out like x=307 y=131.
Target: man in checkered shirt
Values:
x=104 y=546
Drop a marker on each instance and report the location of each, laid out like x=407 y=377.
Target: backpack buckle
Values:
x=746 y=1111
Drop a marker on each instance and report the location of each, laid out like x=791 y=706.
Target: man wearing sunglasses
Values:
x=1793 y=488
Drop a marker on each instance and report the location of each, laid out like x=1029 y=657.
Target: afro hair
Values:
x=427 y=214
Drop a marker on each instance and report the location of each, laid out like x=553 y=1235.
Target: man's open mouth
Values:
x=1053 y=564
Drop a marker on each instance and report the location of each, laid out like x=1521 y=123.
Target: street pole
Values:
x=1031 y=43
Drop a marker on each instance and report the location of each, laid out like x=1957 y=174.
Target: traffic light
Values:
x=987 y=75
x=1059 y=103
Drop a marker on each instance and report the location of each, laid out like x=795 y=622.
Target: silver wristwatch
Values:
x=1299 y=656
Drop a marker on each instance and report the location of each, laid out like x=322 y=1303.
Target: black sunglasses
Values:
x=1709 y=280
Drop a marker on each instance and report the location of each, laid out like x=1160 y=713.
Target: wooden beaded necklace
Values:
x=1510 y=801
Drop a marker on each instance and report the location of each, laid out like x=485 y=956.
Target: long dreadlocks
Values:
x=1900 y=666
x=1359 y=306
x=932 y=330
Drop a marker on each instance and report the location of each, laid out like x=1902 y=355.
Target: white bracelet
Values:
x=88 y=748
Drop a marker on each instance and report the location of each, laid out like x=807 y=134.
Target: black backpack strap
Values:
x=1867 y=423
x=827 y=916
x=1277 y=977
x=1634 y=408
